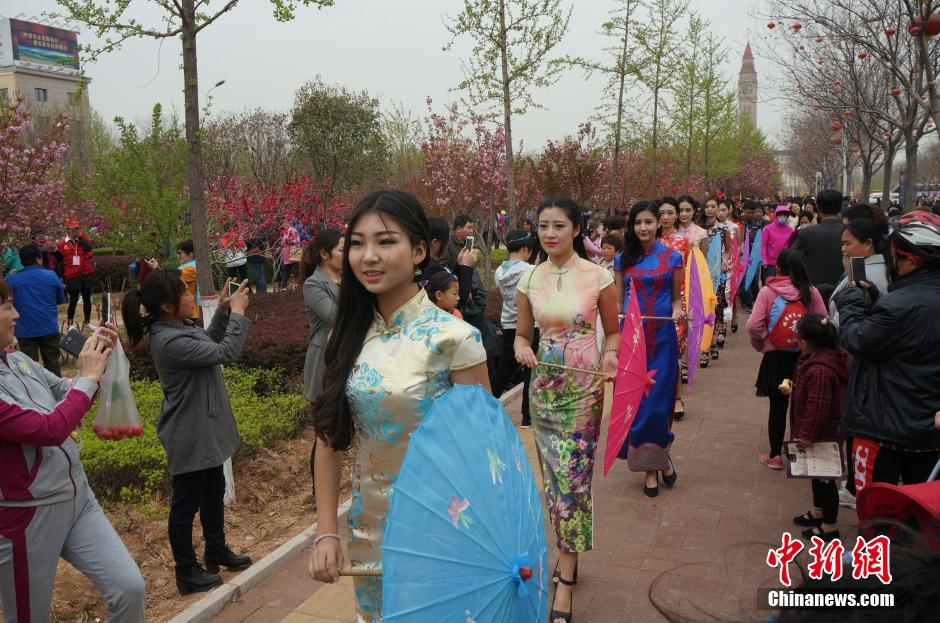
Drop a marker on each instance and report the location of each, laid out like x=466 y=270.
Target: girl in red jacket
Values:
x=818 y=392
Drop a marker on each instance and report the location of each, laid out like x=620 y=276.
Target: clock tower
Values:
x=747 y=87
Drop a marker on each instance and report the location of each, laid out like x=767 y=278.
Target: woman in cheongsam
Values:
x=564 y=294
x=671 y=237
x=390 y=355
x=657 y=276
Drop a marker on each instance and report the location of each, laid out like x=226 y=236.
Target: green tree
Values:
x=619 y=65
x=403 y=135
x=659 y=43
x=338 y=134
x=511 y=43
x=184 y=19
x=690 y=83
x=139 y=186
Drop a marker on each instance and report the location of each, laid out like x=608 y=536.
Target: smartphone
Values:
x=468 y=245
x=857 y=269
x=233 y=287
x=73 y=342
x=105 y=307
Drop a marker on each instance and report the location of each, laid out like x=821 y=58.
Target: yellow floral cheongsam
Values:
x=402 y=368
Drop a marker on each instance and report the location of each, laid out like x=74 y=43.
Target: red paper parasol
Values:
x=889 y=507
x=737 y=270
x=631 y=383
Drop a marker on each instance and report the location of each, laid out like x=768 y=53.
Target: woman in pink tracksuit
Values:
x=775 y=237
x=47 y=509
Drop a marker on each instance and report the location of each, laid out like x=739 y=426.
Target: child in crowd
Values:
x=444 y=291
x=817 y=395
x=772 y=328
x=520 y=245
x=611 y=245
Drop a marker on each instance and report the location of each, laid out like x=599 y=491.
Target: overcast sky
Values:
x=392 y=48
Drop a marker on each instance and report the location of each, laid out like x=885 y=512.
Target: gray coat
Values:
x=196 y=424
x=321 y=295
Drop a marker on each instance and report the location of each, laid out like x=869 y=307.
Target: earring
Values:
x=417 y=271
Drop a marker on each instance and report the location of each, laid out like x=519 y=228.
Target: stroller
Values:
x=890 y=509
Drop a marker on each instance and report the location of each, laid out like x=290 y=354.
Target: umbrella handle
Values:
x=664 y=318
x=570 y=369
x=935 y=472
x=360 y=573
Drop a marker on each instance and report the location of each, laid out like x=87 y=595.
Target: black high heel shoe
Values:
x=556 y=574
x=557 y=614
x=714 y=352
x=679 y=410
x=703 y=360
x=670 y=480
x=652 y=492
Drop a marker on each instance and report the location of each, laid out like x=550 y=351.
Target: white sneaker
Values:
x=846 y=498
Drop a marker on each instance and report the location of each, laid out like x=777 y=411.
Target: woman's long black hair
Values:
x=310 y=260
x=333 y=420
x=790 y=263
x=163 y=286
x=573 y=212
x=632 y=247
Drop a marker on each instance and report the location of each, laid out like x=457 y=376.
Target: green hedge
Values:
x=137 y=466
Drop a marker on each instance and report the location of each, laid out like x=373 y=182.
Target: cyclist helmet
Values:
x=918 y=234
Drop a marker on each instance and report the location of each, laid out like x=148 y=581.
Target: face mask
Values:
x=782 y=220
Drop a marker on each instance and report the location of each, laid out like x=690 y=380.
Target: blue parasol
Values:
x=465 y=539
x=714 y=258
x=753 y=263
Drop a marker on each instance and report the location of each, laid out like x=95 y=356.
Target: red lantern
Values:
x=771 y=25
x=930 y=26
x=818 y=39
x=838 y=83
x=890 y=31
x=802 y=48
x=836 y=126
x=862 y=55
x=887 y=133
x=914 y=30
x=836 y=140
x=847 y=113
x=820 y=61
x=797 y=26
x=895 y=92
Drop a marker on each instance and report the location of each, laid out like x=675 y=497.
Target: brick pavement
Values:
x=697 y=550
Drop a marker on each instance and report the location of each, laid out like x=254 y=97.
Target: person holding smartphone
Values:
x=47 y=508
x=861 y=242
x=196 y=424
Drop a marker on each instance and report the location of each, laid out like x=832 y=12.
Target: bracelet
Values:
x=317 y=540
x=616 y=351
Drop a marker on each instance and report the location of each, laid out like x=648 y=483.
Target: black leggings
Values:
x=86 y=303
x=777 y=423
x=893 y=466
x=508 y=367
x=826 y=497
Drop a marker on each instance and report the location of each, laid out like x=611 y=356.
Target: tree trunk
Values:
x=688 y=151
x=507 y=111
x=888 y=165
x=655 y=135
x=866 y=178
x=488 y=258
x=615 y=164
x=910 y=178
x=194 y=171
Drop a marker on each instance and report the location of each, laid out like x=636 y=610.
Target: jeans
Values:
x=47 y=346
x=257 y=272
x=283 y=274
x=201 y=491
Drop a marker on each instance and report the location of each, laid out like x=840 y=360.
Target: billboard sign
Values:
x=41 y=44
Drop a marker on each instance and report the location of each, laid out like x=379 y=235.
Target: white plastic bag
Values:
x=117 y=412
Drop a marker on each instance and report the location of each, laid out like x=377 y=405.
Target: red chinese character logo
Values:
x=783 y=556
x=826 y=559
x=872 y=558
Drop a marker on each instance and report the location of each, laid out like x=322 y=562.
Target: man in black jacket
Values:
x=822 y=244
x=463 y=227
x=893 y=394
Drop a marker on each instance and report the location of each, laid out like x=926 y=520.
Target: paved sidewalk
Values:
x=697 y=550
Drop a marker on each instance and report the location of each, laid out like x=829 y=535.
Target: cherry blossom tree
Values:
x=32 y=183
